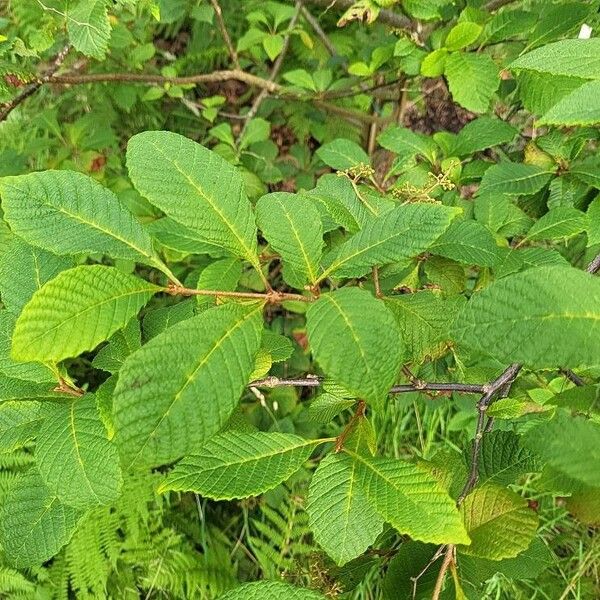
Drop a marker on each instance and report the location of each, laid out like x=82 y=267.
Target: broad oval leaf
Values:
x=499 y=522
x=342 y=520
x=181 y=387
x=34 y=524
x=410 y=499
x=195 y=187
x=74 y=456
x=398 y=234
x=292 y=226
x=236 y=464
x=342 y=154
x=24 y=269
x=525 y=318
x=70 y=213
x=514 y=179
x=560 y=222
x=19 y=423
x=270 y=590
x=467 y=242
x=356 y=341
x=77 y=310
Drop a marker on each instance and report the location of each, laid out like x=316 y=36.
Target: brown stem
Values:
x=448 y=561
x=270 y=297
x=359 y=413
x=385 y=16
x=314 y=23
x=225 y=34
x=375 y=272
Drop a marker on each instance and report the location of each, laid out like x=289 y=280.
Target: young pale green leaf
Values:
x=356 y=341
x=463 y=34
x=23 y=271
x=195 y=187
x=570 y=445
x=89 y=28
x=503 y=459
x=12 y=369
x=342 y=154
x=424 y=319
x=270 y=590
x=292 y=226
x=238 y=465
x=34 y=524
x=559 y=223
x=410 y=499
x=524 y=318
x=342 y=520
x=19 y=423
x=398 y=234
x=472 y=79
x=514 y=179
x=70 y=213
x=467 y=242
x=580 y=107
x=77 y=310
x=499 y=522
x=574 y=58
x=180 y=388
x=77 y=462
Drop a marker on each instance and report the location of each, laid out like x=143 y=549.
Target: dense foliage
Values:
x=299 y=299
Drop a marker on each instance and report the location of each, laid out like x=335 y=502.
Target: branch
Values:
x=313 y=381
x=270 y=297
x=314 y=23
x=35 y=86
x=225 y=34
x=496 y=4
x=448 y=561
x=594 y=266
x=500 y=386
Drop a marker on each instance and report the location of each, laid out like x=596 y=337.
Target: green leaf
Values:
x=77 y=310
x=593 y=213
x=499 y=522
x=273 y=44
x=223 y=275
x=570 y=445
x=411 y=500
x=34 y=524
x=19 y=423
x=300 y=78
x=433 y=64
x=343 y=522
x=557 y=20
x=463 y=34
x=515 y=179
x=467 y=242
x=180 y=238
x=503 y=459
x=77 y=462
x=398 y=234
x=196 y=188
x=573 y=58
x=524 y=318
x=559 y=223
x=69 y=213
x=235 y=464
x=181 y=387
x=292 y=226
x=356 y=341
x=122 y=343
x=472 y=79
x=424 y=319
x=279 y=347
x=480 y=134
x=580 y=107
x=270 y=590
x=23 y=271
x=342 y=154
x=406 y=143
x=89 y=28
x=539 y=92
x=12 y=369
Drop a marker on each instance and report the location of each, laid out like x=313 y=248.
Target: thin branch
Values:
x=594 y=266
x=572 y=377
x=225 y=34
x=500 y=386
x=313 y=381
x=496 y=4
x=270 y=297
x=314 y=23
x=32 y=88
x=359 y=414
x=274 y=71
x=448 y=561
